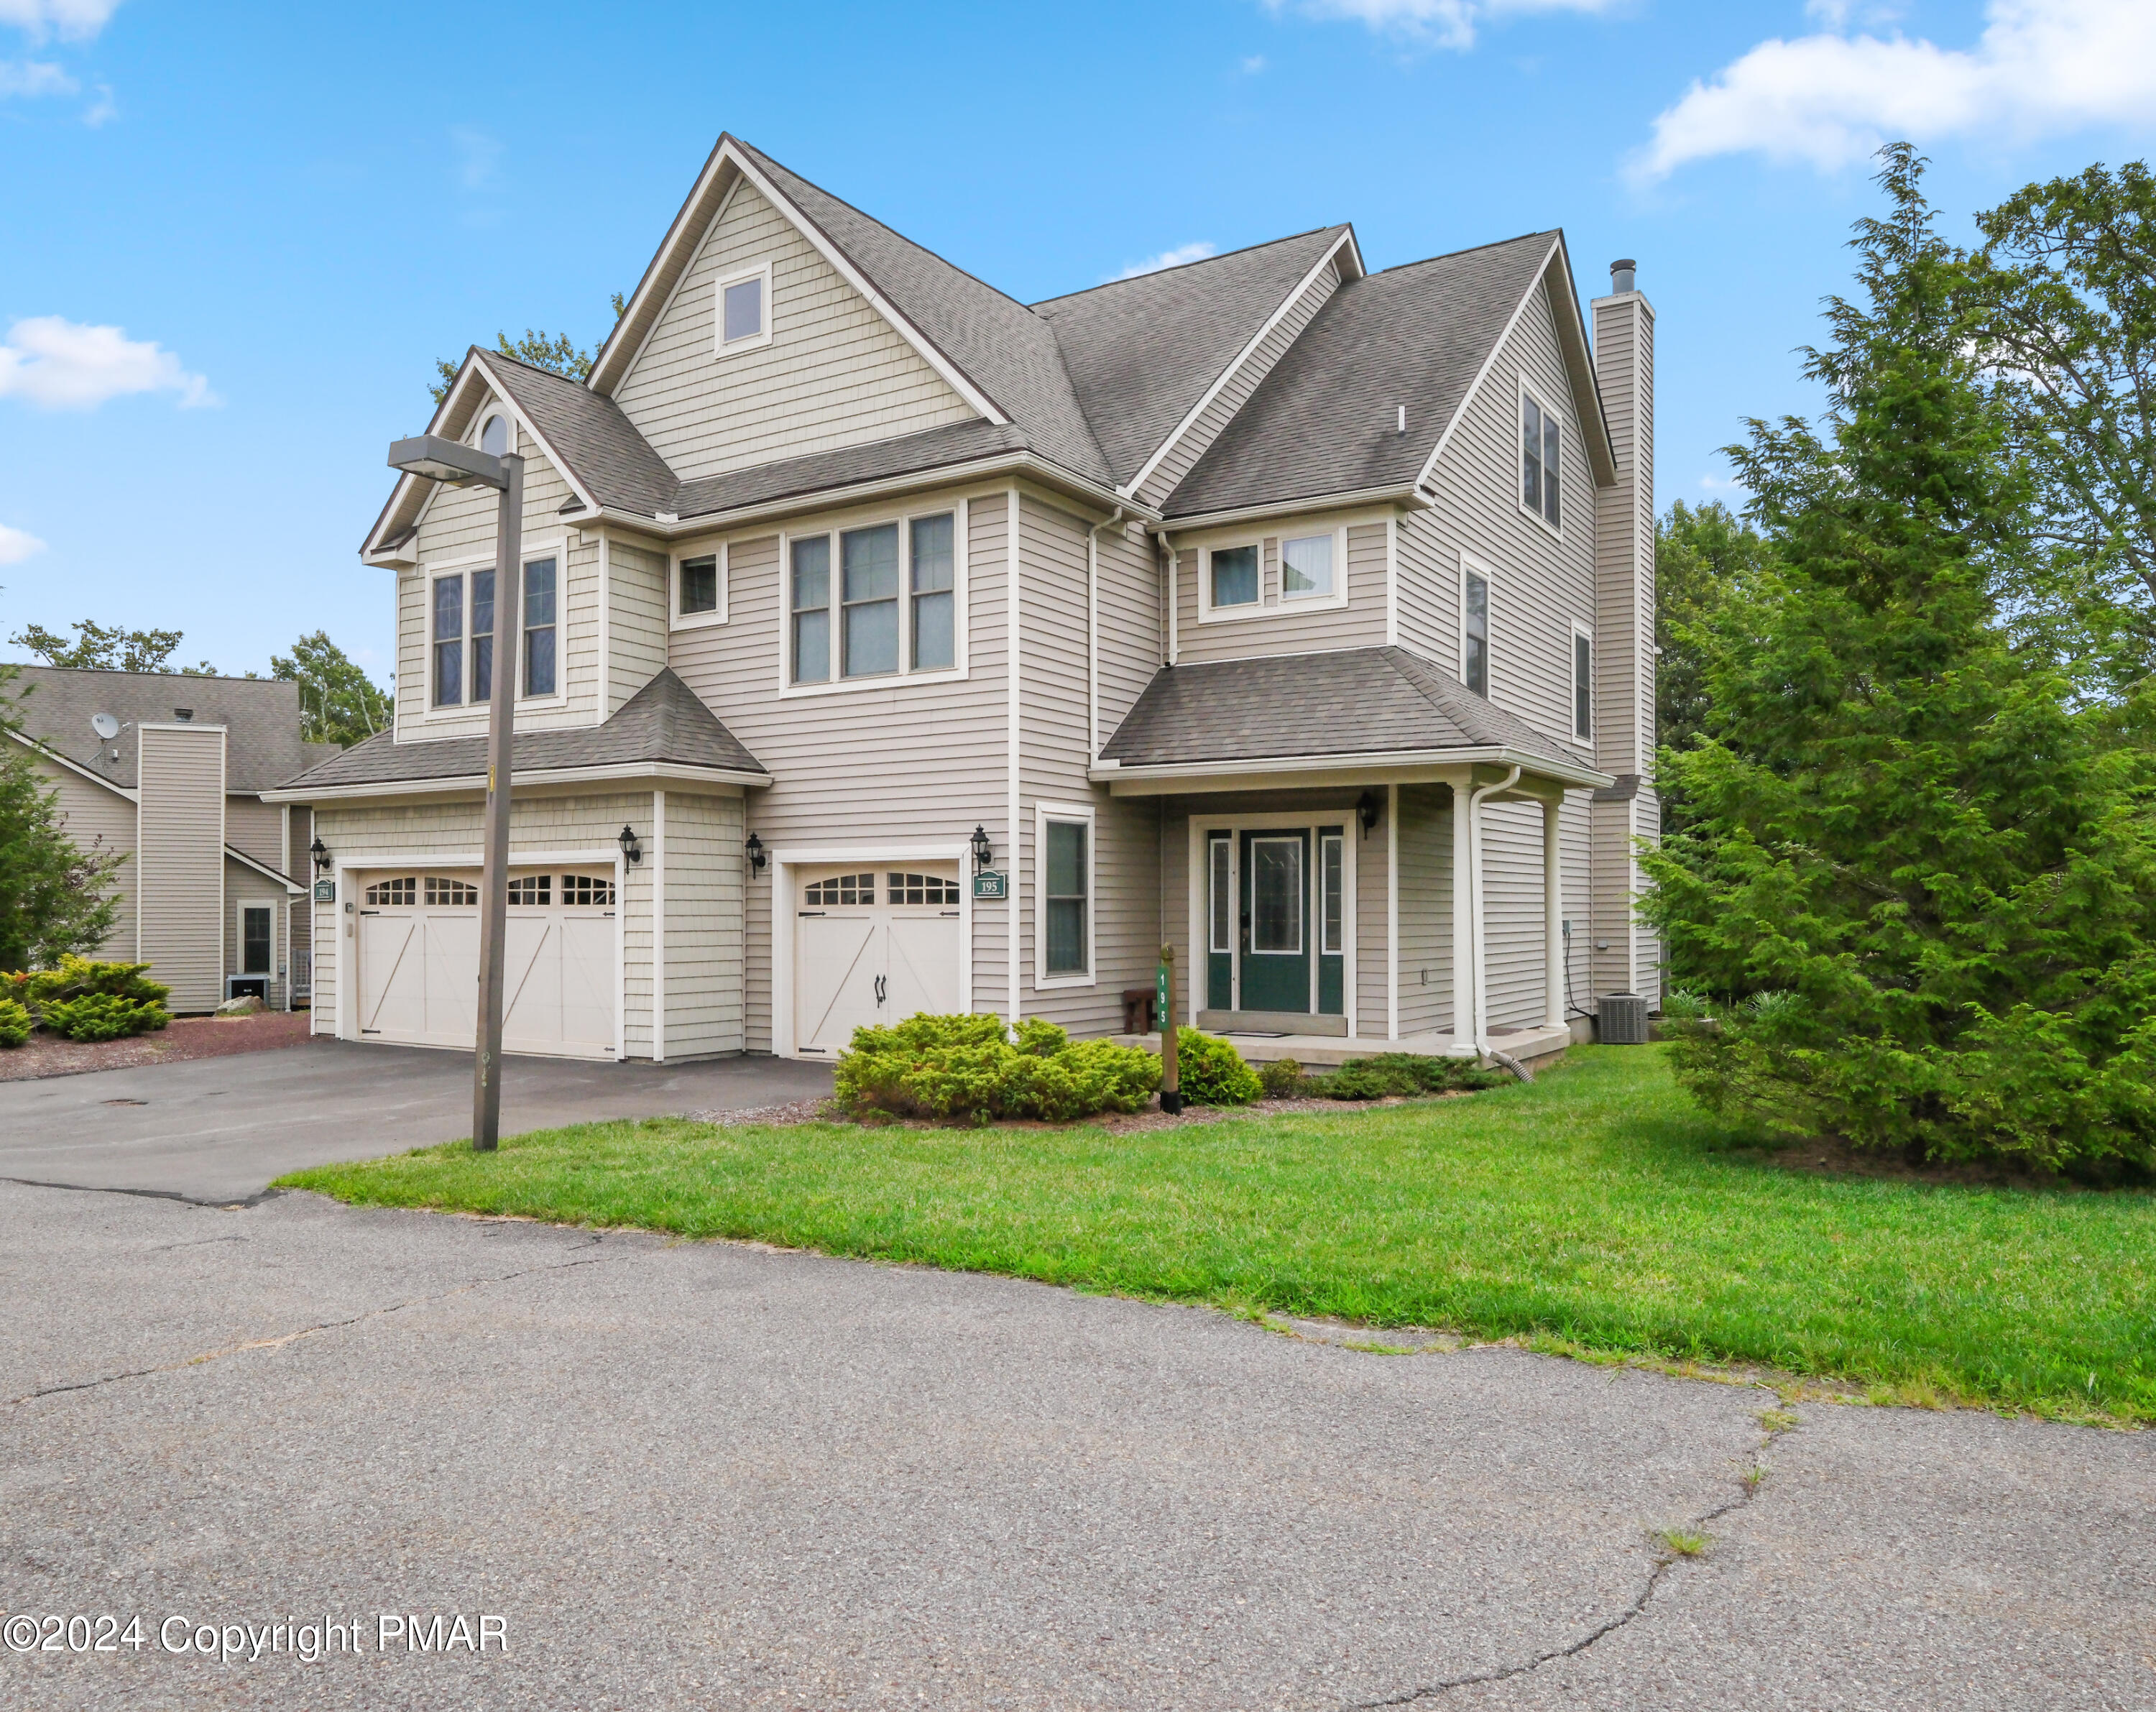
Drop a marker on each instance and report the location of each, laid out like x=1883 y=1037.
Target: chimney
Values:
x=1624 y=324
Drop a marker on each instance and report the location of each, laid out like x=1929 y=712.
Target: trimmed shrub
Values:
x=1212 y=1072
x=14 y=1023
x=1402 y=1075
x=103 y=1016
x=75 y=977
x=1281 y=1079
x=962 y=1069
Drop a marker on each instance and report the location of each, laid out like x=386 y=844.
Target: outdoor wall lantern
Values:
x=982 y=849
x=321 y=852
x=1366 y=811
x=629 y=846
x=757 y=858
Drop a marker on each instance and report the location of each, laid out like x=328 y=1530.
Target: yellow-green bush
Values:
x=1212 y=1073
x=14 y=1023
x=81 y=999
x=963 y=1069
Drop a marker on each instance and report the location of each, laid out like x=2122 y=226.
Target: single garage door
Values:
x=419 y=961
x=873 y=948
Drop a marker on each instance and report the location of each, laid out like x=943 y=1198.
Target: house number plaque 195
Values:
x=989 y=882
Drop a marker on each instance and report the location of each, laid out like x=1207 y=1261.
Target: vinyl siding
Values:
x=1132 y=646
x=1425 y=908
x=255 y=827
x=462 y=522
x=1541 y=582
x=300 y=919
x=704 y=924
x=1191 y=446
x=1280 y=628
x=101 y=821
x=906 y=763
x=834 y=374
x=405 y=834
x=636 y=620
x=181 y=853
x=1625 y=621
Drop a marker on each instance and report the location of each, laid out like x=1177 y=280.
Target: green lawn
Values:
x=1599 y=1208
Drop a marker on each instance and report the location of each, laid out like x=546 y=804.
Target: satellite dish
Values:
x=105 y=725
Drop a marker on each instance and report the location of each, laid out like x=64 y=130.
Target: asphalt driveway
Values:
x=222 y=1129
x=659 y=1474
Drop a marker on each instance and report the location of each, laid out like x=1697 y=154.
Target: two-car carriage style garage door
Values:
x=419 y=961
x=874 y=946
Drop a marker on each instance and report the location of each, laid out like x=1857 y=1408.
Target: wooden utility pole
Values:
x=494 y=876
x=1171 y=1078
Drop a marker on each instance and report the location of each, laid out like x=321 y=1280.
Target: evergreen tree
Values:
x=1705 y=556
x=55 y=896
x=1919 y=861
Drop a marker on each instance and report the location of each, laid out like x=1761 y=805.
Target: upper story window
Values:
x=495 y=435
x=880 y=601
x=742 y=312
x=1475 y=629
x=1538 y=459
x=1306 y=568
x=1582 y=683
x=1270 y=576
x=1235 y=575
x=462 y=619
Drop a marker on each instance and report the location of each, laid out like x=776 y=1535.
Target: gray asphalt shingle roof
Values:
x=261 y=718
x=665 y=721
x=1324 y=420
x=598 y=442
x=1141 y=351
x=1352 y=701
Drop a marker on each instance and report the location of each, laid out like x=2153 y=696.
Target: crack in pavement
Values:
x=1748 y=1485
x=246 y=1204
x=308 y=1331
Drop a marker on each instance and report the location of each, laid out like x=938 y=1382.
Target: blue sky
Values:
x=234 y=239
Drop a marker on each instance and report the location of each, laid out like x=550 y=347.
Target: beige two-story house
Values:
x=884 y=644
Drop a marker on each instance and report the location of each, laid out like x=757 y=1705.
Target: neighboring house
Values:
x=1243 y=606
x=169 y=771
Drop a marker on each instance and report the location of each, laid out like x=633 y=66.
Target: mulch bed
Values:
x=190 y=1038
x=826 y=1111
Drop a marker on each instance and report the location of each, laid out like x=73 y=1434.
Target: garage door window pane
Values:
x=1067 y=897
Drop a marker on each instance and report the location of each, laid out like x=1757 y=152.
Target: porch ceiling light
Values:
x=321 y=852
x=757 y=858
x=439 y=460
x=629 y=846
x=984 y=851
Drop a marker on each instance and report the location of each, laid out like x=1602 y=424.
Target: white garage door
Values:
x=419 y=961
x=873 y=948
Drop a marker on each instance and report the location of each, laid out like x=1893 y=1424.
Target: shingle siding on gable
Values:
x=1191 y=446
x=835 y=373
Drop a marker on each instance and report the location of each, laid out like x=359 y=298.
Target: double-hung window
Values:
x=1538 y=459
x=257 y=928
x=1066 y=902
x=449 y=619
x=698 y=586
x=539 y=653
x=887 y=607
x=1582 y=683
x=1475 y=630
x=482 y=635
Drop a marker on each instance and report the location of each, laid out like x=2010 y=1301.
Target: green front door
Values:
x=1276 y=920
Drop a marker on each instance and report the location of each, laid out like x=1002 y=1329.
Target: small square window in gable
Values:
x=740 y=308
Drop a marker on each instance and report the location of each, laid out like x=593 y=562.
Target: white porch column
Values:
x=1552 y=914
x=1464 y=1020
x=1392 y=912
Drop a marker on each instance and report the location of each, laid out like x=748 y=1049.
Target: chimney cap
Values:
x=1623 y=276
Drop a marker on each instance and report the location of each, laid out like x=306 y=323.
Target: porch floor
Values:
x=1530 y=1046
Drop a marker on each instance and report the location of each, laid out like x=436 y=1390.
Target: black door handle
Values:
x=881 y=994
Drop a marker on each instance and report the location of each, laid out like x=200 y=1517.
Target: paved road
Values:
x=222 y=1129
x=715 y=1476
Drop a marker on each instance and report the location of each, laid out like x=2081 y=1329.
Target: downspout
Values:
x=1093 y=631
x=1477 y=936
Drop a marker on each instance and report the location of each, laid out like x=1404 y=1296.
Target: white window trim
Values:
x=905 y=676
x=1554 y=531
x=676 y=619
x=496 y=405
x=1071 y=814
x=721 y=346
x=239 y=941
x=557 y=550
x=1481 y=568
x=1273 y=600
x=1581 y=633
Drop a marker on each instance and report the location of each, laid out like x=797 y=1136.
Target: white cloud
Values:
x=102 y=109
x=77 y=20
x=17 y=545
x=1441 y=23
x=1173 y=257
x=62 y=365
x=34 y=77
x=479 y=157
x=1829 y=99
x=1253 y=65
